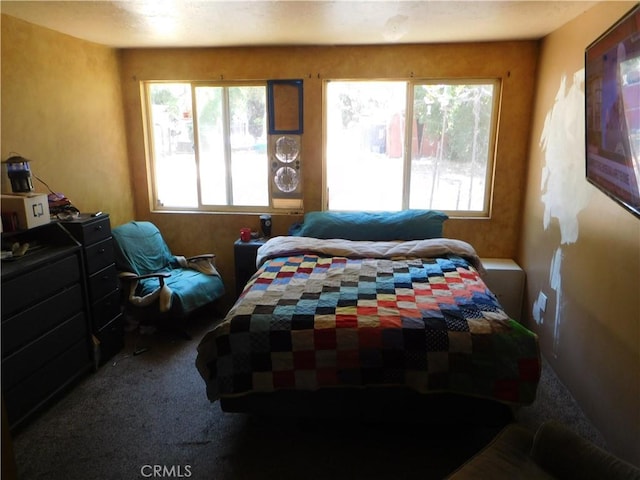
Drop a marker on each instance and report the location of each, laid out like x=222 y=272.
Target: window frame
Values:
x=150 y=153
x=411 y=83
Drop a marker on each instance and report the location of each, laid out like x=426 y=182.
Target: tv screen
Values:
x=612 y=73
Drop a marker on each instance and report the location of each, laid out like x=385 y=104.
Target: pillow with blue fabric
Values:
x=375 y=226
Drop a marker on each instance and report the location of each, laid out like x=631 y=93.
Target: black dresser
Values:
x=105 y=312
x=46 y=344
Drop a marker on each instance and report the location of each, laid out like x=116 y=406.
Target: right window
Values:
x=441 y=159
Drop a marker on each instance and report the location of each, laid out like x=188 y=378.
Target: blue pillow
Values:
x=378 y=226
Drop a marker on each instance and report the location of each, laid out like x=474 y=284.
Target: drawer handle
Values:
x=101 y=250
x=99 y=227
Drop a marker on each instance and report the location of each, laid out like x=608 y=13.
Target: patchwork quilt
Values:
x=309 y=319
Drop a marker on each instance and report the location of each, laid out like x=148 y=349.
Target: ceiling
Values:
x=204 y=23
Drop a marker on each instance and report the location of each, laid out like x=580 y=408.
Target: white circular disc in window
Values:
x=286 y=179
x=287 y=148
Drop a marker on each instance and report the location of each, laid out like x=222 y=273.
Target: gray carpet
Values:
x=147 y=416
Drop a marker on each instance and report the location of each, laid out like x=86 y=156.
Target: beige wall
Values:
x=513 y=62
x=580 y=248
x=62 y=109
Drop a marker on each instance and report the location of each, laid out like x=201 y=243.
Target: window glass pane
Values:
x=451 y=156
x=173 y=144
x=365 y=144
x=211 y=145
x=248 y=139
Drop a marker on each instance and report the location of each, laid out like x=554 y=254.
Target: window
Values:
x=208 y=145
x=441 y=159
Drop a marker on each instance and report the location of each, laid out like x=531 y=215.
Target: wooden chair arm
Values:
x=202 y=257
x=152 y=275
x=130 y=277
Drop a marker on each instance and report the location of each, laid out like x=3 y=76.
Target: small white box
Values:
x=26 y=210
x=505 y=279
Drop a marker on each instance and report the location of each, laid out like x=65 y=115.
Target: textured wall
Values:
x=580 y=248
x=62 y=109
x=513 y=62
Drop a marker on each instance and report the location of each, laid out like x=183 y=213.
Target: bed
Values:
x=333 y=321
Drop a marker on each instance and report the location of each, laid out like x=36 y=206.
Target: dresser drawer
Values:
x=90 y=231
x=33 y=322
x=99 y=255
x=105 y=310
x=111 y=338
x=34 y=356
x=39 y=283
x=53 y=377
x=103 y=282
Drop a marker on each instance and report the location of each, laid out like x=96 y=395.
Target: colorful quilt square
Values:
x=325 y=339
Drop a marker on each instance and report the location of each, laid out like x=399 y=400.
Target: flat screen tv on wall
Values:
x=612 y=95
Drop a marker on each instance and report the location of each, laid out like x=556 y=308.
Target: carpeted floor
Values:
x=147 y=416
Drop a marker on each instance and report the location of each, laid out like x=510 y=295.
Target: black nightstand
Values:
x=245 y=260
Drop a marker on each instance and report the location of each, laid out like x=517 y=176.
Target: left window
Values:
x=207 y=145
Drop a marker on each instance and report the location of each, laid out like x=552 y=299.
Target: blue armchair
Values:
x=158 y=285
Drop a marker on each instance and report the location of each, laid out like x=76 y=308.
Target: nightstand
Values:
x=505 y=279
x=245 y=259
